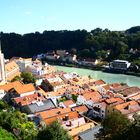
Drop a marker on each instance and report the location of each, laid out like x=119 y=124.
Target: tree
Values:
x=113 y=125
x=17 y=123
x=53 y=132
x=74 y=97
x=16 y=78
x=73 y=51
x=133 y=30
x=84 y=44
x=27 y=77
x=85 y=53
x=132 y=132
x=89 y=77
x=101 y=54
x=5 y=135
x=3 y=105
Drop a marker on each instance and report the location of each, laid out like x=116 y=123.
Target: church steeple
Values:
x=2 y=67
x=0 y=45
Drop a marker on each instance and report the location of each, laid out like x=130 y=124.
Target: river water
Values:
x=107 y=77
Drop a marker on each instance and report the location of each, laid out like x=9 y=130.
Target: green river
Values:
x=107 y=77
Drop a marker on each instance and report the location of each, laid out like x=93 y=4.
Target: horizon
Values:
x=68 y=30
x=27 y=16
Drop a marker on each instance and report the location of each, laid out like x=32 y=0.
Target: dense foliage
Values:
x=27 y=77
x=54 y=132
x=16 y=123
x=16 y=78
x=117 y=127
x=5 y=135
x=97 y=43
x=3 y=105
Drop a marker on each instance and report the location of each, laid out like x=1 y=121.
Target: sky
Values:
x=25 y=16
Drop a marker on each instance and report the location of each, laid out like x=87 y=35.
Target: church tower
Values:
x=2 y=67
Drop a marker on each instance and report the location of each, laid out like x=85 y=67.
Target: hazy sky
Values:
x=24 y=16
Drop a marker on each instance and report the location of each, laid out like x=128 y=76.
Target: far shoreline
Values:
x=96 y=68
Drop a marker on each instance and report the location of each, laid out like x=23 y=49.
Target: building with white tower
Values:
x=2 y=67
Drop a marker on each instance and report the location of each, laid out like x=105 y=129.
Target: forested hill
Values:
x=95 y=44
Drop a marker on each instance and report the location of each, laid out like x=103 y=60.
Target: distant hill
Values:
x=97 y=43
x=133 y=30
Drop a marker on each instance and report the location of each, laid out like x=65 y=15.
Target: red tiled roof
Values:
x=70 y=115
x=97 y=83
x=106 y=87
x=80 y=109
x=9 y=86
x=94 y=96
x=68 y=102
x=53 y=112
x=24 y=88
x=26 y=100
x=131 y=90
x=128 y=107
x=136 y=97
x=115 y=85
x=19 y=87
x=114 y=101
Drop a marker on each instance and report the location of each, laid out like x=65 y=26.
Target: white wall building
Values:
x=119 y=65
x=2 y=68
x=2 y=93
x=23 y=63
x=98 y=110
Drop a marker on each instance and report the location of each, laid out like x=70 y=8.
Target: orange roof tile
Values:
x=70 y=115
x=106 y=87
x=99 y=82
x=94 y=96
x=52 y=94
x=12 y=75
x=61 y=90
x=114 y=101
x=55 y=84
x=50 y=75
x=129 y=91
x=80 y=109
x=115 y=85
x=26 y=100
x=128 y=107
x=136 y=97
x=10 y=66
x=9 y=86
x=75 y=93
x=68 y=102
x=40 y=90
x=20 y=89
x=110 y=94
x=72 y=88
x=120 y=88
x=53 y=112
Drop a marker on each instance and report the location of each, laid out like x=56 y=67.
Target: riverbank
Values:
x=107 y=77
x=97 y=68
x=120 y=72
